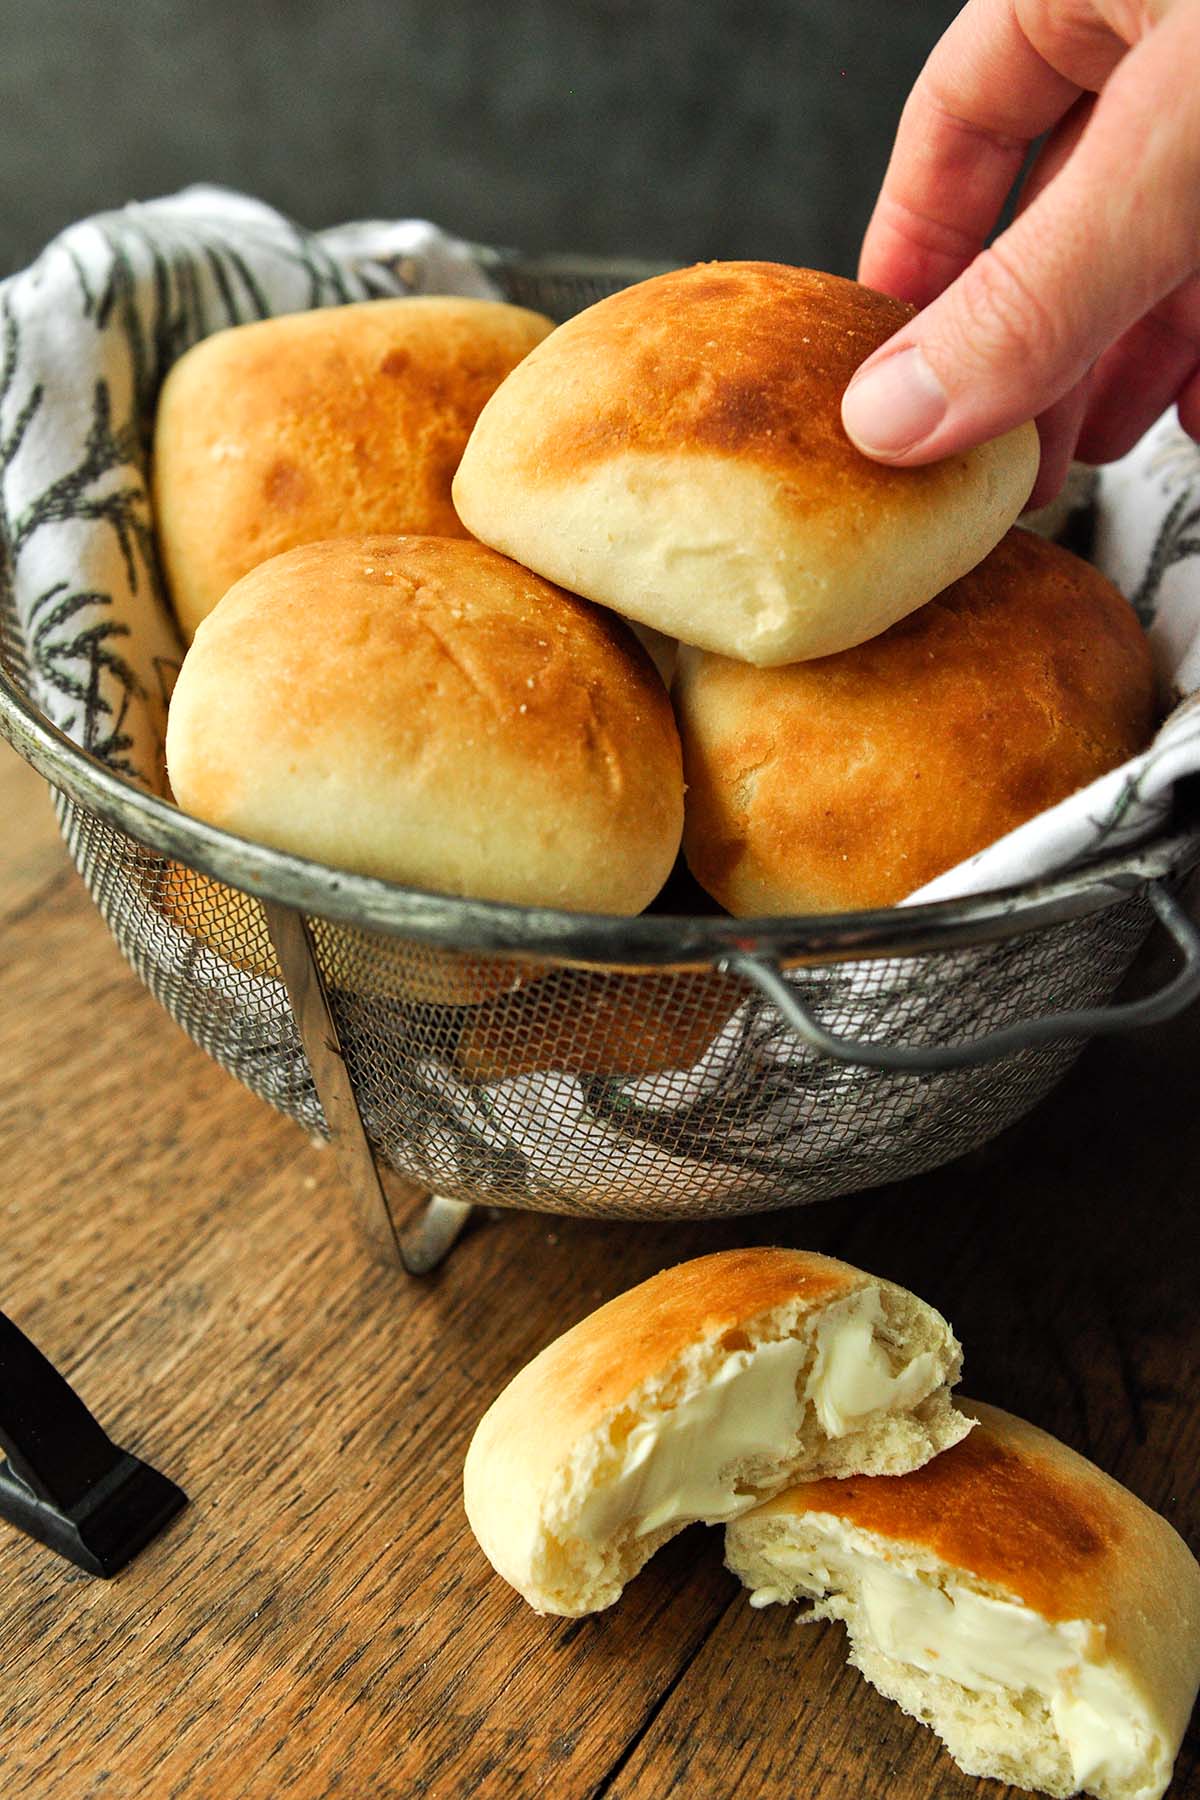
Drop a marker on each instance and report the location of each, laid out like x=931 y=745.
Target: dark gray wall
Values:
x=673 y=128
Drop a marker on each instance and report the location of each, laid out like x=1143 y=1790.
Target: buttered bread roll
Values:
x=852 y=781
x=1041 y=1619
x=676 y=451
x=694 y=1396
x=424 y=710
x=331 y=423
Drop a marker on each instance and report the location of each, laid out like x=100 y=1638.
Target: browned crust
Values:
x=738 y=359
x=854 y=779
x=335 y=632
x=615 y=1026
x=1009 y=1505
x=228 y=922
x=431 y=670
x=595 y=1366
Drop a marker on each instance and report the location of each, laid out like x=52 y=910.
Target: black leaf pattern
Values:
x=163 y=278
x=10 y=442
x=81 y=275
x=125 y=509
x=59 y=656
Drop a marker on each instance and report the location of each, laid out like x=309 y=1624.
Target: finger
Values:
x=1059 y=426
x=1057 y=151
x=1136 y=380
x=1090 y=255
x=981 y=99
x=1058 y=429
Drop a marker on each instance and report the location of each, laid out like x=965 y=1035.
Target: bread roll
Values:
x=677 y=452
x=1041 y=1619
x=223 y=919
x=851 y=781
x=615 y=1026
x=344 y=420
x=231 y=924
x=426 y=711
x=693 y=1396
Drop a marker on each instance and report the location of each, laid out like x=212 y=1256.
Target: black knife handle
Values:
x=65 y=1482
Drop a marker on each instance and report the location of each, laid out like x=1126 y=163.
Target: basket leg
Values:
x=421 y=1240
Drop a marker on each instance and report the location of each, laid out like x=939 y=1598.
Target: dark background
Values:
x=658 y=128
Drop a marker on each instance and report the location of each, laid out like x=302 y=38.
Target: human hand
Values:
x=1085 y=312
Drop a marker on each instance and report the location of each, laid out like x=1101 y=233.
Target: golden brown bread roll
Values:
x=232 y=925
x=424 y=710
x=677 y=452
x=335 y=422
x=851 y=781
x=223 y=919
x=693 y=1396
x=1036 y=1614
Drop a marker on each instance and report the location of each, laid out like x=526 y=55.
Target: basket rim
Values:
x=498 y=927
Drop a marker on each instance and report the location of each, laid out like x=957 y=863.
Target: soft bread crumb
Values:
x=1038 y=1617
x=647 y=1417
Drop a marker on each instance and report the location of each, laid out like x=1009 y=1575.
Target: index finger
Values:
x=984 y=95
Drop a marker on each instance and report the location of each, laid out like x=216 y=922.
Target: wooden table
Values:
x=319 y=1621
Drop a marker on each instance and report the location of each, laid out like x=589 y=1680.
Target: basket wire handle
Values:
x=419 y=1245
x=1183 y=987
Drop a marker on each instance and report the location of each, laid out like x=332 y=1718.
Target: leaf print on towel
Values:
x=87 y=335
x=78 y=492
x=73 y=665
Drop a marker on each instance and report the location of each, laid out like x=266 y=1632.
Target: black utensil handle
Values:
x=65 y=1482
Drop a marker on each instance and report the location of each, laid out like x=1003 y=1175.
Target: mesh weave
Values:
x=586 y=1091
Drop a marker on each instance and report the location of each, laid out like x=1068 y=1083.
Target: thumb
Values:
x=1116 y=229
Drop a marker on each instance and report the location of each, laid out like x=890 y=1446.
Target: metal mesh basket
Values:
x=653 y=1067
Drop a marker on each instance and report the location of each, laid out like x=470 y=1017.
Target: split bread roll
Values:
x=694 y=1396
x=676 y=451
x=344 y=420
x=1041 y=1619
x=423 y=710
x=852 y=781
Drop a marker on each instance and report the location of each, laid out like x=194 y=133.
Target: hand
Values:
x=1085 y=313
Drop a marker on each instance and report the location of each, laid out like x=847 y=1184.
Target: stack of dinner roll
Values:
x=368 y=685
x=434 y=558
x=995 y=1584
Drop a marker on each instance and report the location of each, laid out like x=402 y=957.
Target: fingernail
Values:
x=893 y=405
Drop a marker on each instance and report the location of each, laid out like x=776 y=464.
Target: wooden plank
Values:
x=320 y=1613
x=31 y=852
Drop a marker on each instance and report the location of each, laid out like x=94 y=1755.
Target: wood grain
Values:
x=319 y=1621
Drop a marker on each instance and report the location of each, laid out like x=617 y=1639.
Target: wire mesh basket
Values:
x=673 y=1065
